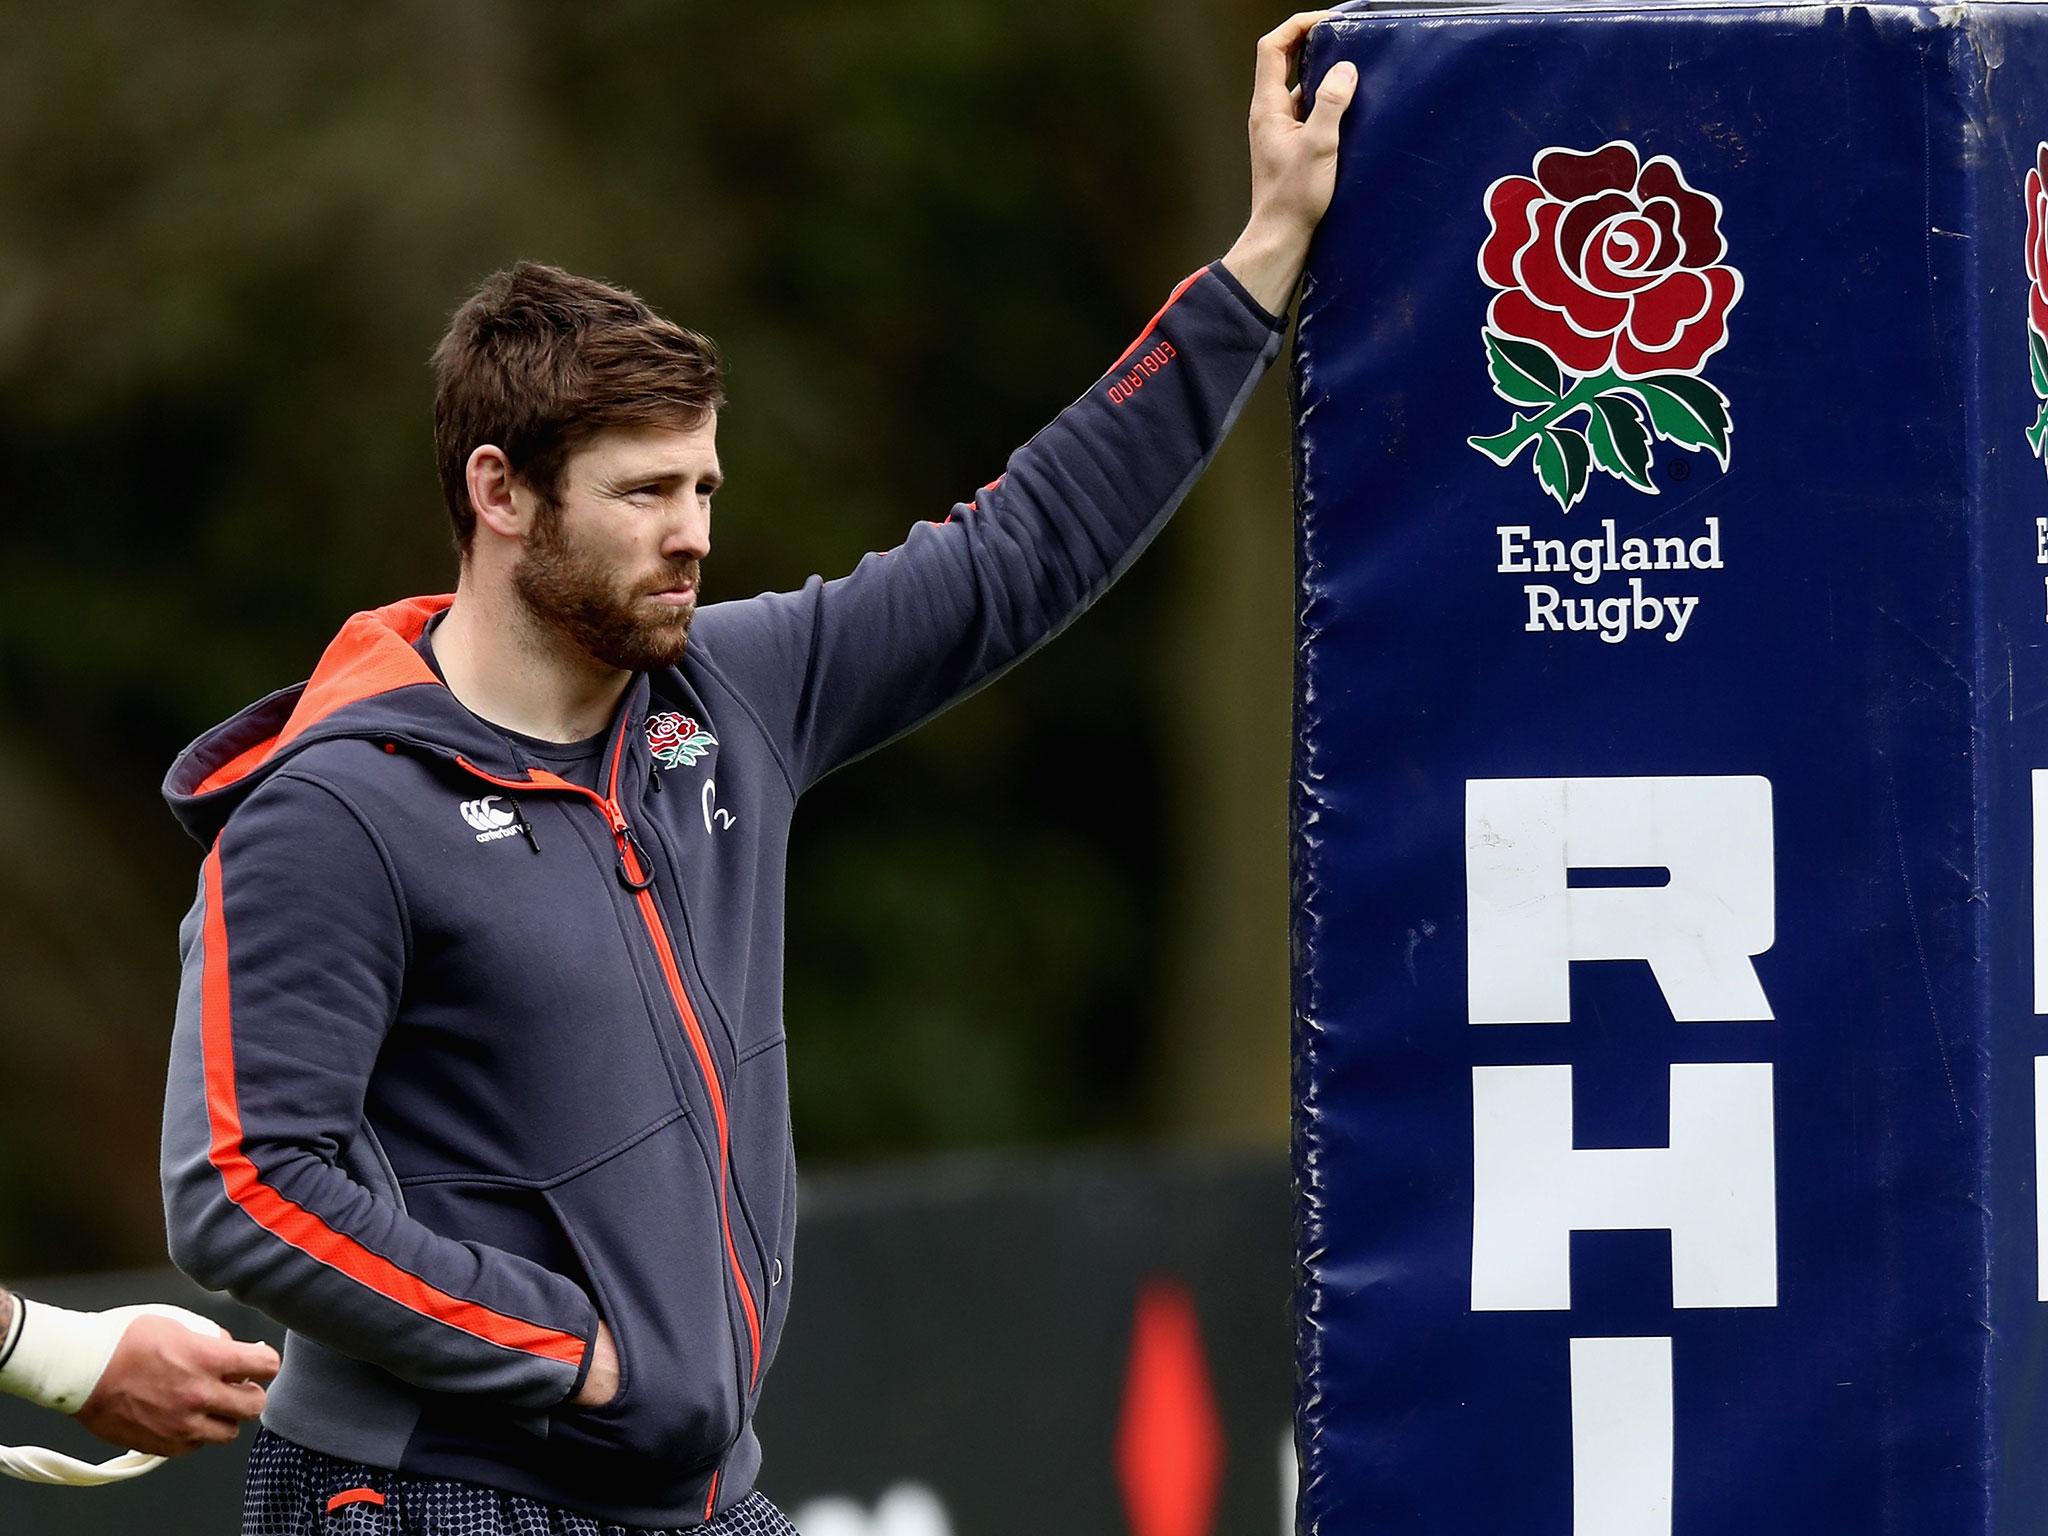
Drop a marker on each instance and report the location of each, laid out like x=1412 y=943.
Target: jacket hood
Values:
x=370 y=682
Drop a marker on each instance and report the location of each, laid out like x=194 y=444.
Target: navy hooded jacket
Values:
x=468 y=1057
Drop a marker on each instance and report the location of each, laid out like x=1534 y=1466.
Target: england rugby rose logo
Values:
x=676 y=740
x=1614 y=290
x=2037 y=293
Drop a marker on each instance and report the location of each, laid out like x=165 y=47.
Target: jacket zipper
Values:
x=638 y=877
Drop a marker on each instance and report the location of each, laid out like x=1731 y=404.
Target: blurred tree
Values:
x=229 y=236
x=1227 y=668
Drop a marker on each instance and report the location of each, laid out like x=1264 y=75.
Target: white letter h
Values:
x=1714 y=1187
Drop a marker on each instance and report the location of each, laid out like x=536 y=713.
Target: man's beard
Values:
x=578 y=596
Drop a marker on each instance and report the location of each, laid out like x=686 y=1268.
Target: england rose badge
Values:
x=1613 y=292
x=2037 y=295
x=677 y=741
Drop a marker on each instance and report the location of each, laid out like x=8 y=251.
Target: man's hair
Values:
x=538 y=361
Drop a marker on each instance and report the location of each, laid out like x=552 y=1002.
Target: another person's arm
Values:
x=294 y=958
x=160 y=1380
x=837 y=668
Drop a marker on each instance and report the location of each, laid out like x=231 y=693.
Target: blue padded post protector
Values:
x=1671 y=387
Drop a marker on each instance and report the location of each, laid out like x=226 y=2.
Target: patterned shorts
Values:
x=296 y=1492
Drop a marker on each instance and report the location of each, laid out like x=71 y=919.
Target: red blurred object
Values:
x=1169 y=1442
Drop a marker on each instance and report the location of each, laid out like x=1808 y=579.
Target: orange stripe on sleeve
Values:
x=1172 y=299
x=292 y=1223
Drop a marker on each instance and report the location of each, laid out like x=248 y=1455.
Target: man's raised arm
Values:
x=837 y=668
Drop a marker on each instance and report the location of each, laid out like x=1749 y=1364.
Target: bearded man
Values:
x=478 y=1078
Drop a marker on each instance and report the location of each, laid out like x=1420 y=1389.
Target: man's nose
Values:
x=689 y=534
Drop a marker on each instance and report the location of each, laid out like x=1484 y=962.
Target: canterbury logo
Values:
x=490 y=822
x=484 y=814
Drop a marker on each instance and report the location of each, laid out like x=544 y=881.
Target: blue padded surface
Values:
x=1870 y=643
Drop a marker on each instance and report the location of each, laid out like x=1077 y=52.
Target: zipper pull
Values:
x=636 y=871
x=525 y=824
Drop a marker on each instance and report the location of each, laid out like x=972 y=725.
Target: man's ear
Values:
x=501 y=504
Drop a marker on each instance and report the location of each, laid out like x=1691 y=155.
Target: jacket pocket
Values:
x=645 y=1229
x=781 y=1262
x=506 y=1211
x=365 y=1161
x=764 y=1182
